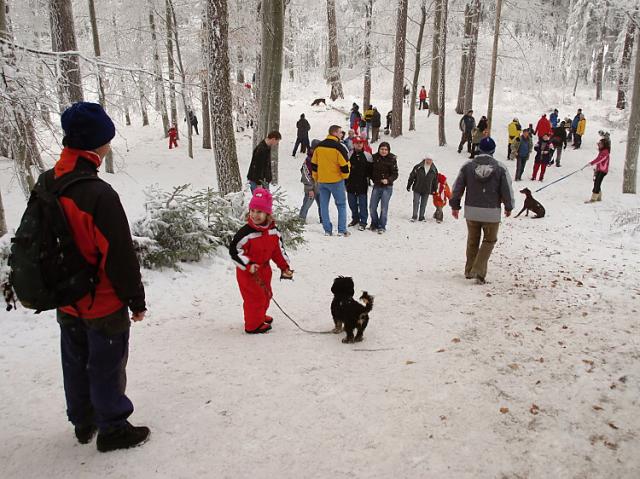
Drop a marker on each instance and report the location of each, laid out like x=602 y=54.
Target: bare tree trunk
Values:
x=289 y=58
x=171 y=68
x=333 y=76
x=61 y=13
x=366 y=100
x=271 y=73
x=108 y=159
x=464 y=63
x=433 y=88
x=473 y=49
x=3 y=221
x=494 y=64
x=623 y=75
x=575 y=85
x=416 y=70
x=157 y=70
x=600 y=57
x=125 y=98
x=224 y=141
x=206 y=120
x=398 y=69
x=442 y=55
x=630 y=174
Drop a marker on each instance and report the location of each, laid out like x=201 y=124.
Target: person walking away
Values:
x=173 y=136
x=406 y=94
x=441 y=197
x=389 y=117
x=521 y=150
x=601 y=163
x=544 y=152
x=467 y=124
x=514 y=130
x=543 y=127
x=259 y=173
x=559 y=140
x=553 y=118
x=368 y=115
x=477 y=134
x=423 y=181
x=376 y=123
x=252 y=248
x=95 y=330
x=384 y=173
x=311 y=189
x=582 y=125
x=193 y=121
x=354 y=118
x=358 y=184
x=302 y=136
x=330 y=167
x=423 y=98
x=574 y=125
x=486 y=185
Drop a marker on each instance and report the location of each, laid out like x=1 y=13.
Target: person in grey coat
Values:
x=423 y=180
x=311 y=189
x=486 y=184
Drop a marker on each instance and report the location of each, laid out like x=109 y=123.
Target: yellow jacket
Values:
x=582 y=124
x=514 y=132
x=368 y=115
x=330 y=161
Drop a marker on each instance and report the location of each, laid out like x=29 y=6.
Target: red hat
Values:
x=262 y=200
x=357 y=139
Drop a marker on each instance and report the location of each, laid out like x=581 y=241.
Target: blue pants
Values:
x=339 y=196
x=253 y=185
x=94 y=361
x=358 y=207
x=307 y=201
x=380 y=194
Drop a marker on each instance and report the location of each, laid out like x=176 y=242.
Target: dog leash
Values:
x=260 y=283
x=562 y=178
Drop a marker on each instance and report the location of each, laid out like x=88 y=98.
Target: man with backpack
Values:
x=104 y=282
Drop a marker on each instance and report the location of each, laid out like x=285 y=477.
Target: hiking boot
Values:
x=122 y=438
x=599 y=198
x=413 y=220
x=480 y=279
x=268 y=319
x=593 y=199
x=353 y=223
x=345 y=234
x=328 y=233
x=85 y=432
x=362 y=227
x=381 y=231
x=263 y=328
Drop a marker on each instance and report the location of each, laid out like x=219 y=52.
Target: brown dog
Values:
x=530 y=204
x=317 y=102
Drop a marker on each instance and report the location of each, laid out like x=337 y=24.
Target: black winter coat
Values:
x=303 y=127
x=376 y=121
x=559 y=137
x=421 y=181
x=260 y=168
x=384 y=168
x=361 y=168
x=544 y=152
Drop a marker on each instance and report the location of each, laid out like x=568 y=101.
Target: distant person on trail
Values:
x=543 y=127
x=259 y=173
x=173 y=136
x=423 y=181
x=389 y=118
x=486 y=185
x=354 y=118
x=601 y=164
x=467 y=124
x=520 y=151
x=577 y=136
x=406 y=92
x=553 y=118
x=559 y=140
x=544 y=153
x=574 y=125
x=514 y=130
x=358 y=184
x=376 y=123
x=384 y=173
x=368 y=115
x=193 y=121
x=423 y=98
x=302 y=137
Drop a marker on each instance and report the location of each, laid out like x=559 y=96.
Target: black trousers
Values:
x=597 y=181
x=466 y=138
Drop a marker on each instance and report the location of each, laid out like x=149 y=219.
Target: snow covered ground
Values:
x=534 y=375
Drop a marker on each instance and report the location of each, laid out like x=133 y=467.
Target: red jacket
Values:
x=543 y=127
x=100 y=229
x=423 y=94
x=257 y=244
x=173 y=132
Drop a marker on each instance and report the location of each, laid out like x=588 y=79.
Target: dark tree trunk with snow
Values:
x=62 y=30
x=494 y=64
x=442 y=55
x=366 y=98
x=464 y=62
x=171 y=66
x=206 y=120
x=271 y=73
x=157 y=72
x=333 y=77
x=398 y=69
x=224 y=141
x=3 y=221
x=471 y=57
x=435 y=75
x=416 y=69
x=623 y=75
x=630 y=174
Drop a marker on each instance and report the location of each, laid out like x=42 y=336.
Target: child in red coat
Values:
x=173 y=137
x=441 y=197
x=253 y=246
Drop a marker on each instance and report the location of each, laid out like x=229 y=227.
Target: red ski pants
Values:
x=256 y=294
x=173 y=142
x=542 y=168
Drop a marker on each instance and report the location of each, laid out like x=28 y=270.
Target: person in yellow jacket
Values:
x=577 y=137
x=368 y=116
x=514 y=130
x=330 y=167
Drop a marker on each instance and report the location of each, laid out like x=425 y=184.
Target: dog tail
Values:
x=368 y=301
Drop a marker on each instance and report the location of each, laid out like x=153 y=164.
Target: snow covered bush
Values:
x=5 y=249
x=185 y=225
x=628 y=221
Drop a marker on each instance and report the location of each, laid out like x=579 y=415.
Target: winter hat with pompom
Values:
x=262 y=200
x=487 y=145
x=86 y=126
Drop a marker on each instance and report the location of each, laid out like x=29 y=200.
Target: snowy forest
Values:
x=533 y=373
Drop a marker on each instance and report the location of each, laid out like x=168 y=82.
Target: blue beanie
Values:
x=86 y=126
x=487 y=145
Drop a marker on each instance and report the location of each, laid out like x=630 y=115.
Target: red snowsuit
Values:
x=173 y=135
x=257 y=244
x=543 y=127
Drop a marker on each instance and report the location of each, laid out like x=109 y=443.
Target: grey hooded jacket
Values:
x=486 y=184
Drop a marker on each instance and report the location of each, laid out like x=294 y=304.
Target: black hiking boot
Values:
x=122 y=438
x=85 y=432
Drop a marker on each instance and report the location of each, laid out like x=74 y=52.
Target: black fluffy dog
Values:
x=347 y=312
x=530 y=204
x=317 y=102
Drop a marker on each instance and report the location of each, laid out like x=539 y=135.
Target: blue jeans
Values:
x=358 y=207
x=253 y=185
x=338 y=191
x=380 y=194
x=307 y=201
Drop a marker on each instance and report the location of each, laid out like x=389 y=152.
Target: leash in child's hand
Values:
x=258 y=280
x=562 y=178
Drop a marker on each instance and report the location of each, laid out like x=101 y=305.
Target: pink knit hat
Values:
x=262 y=200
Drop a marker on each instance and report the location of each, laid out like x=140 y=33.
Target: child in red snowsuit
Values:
x=173 y=137
x=440 y=197
x=253 y=246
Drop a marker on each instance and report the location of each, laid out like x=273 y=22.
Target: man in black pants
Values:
x=467 y=124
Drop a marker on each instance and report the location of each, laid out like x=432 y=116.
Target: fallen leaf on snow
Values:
x=612 y=425
x=441 y=350
x=455 y=340
x=534 y=409
x=597 y=408
x=410 y=362
x=538 y=328
x=514 y=366
x=504 y=410
x=611 y=445
x=443 y=418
